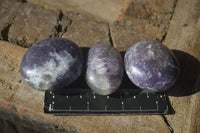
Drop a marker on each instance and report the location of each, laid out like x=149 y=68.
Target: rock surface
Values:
x=7 y=16
x=104 y=69
x=107 y=10
x=151 y=66
x=25 y=24
x=32 y=24
x=52 y=64
x=123 y=36
x=86 y=32
x=142 y=20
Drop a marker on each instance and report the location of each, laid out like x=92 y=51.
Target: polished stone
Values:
x=104 y=69
x=52 y=64
x=151 y=66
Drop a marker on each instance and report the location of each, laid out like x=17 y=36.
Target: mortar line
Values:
x=110 y=35
x=167 y=29
x=58 y=26
x=65 y=29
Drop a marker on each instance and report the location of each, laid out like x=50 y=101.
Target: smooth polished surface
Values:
x=52 y=64
x=104 y=69
x=151 y=66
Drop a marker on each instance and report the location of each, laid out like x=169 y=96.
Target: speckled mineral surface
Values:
x=104 y=69
x=151 y=66
x=52 y=64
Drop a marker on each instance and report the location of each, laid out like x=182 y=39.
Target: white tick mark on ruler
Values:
x=157 y=105
x=122 y=105
x=107 y=97
x=80 y=96
x=88 y=106
x=147 y=95
x=134 y=97
x=94 y=96
x=50 y=107
x=105 y=107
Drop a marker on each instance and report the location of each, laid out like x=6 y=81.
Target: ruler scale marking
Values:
x=125 y=101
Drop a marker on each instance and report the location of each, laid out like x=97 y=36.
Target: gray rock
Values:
x=8 y=10
x=86 y=32
x=32 y=24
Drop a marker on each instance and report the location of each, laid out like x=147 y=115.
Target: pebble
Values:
x=150 y=65
x=52 y=64
x=104 y=69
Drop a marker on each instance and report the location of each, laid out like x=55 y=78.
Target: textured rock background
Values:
x=26 y=23
x=10 y=127
x=86 y=32
x=107 y=10
x=176 y=23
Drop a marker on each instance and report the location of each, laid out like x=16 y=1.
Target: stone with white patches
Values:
x=52 y=64
x=151 y=66
x=104 y=69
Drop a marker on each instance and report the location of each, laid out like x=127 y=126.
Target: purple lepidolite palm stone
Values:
x=151 y=66
x=104 y=69
x=52 y=64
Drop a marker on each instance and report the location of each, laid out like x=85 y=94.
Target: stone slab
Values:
x=86 y=32
x=107 y=10
x=184 y=37
x=7 y=16
x=32 y=24
x=142 y=20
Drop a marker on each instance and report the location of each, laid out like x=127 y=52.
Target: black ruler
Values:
x=124 y=101
x=79 y=99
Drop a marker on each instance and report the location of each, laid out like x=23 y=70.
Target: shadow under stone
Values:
x=188 y=82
